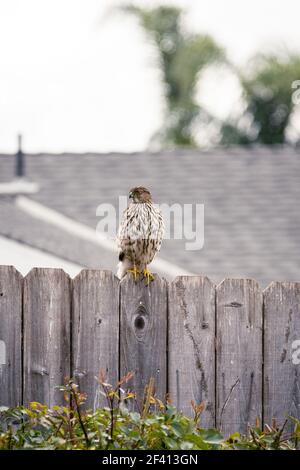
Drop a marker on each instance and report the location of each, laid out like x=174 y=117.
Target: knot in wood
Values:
x=140 y=319
x=234 y=304
x=139 y=322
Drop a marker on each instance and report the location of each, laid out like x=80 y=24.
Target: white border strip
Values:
x=50 y=216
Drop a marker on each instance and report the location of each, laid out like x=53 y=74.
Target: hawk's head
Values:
x=140 y=195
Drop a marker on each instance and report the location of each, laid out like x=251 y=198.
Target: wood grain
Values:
x=47 y=302
x=143 y=334
x=95 y=332
x=191 y=365
x=10 y=336
x=239 y=354
x=282 y=352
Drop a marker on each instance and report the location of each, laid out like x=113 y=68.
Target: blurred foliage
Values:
x=266 y=84
x=268 y=93
x=182 y=58
x=155 y=426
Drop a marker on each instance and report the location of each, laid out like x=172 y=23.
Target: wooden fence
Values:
x=232 y=345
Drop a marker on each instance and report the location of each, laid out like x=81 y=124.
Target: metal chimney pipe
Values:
x=20 y=162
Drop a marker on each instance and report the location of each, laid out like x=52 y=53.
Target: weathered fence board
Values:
x=239 y=354
x=10 y=336
x=191 y=345
x=47 y=302
x=282 y=352
x=95 y=332
x=143 y=334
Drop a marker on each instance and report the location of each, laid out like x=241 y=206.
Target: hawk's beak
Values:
x=130 y=196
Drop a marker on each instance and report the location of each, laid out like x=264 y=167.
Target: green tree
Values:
x=182 y=57
x=267 y=90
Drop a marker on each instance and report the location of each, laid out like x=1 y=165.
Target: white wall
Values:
x=25 y=258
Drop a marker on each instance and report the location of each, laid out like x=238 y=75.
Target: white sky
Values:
x=75 y=75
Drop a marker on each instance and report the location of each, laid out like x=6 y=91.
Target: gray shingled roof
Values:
x=17 y=225
x=251 y=198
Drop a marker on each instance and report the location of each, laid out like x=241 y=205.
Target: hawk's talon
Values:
x=136 y=272
x=148 y=275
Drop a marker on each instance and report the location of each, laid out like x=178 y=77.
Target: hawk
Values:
x=140 y=234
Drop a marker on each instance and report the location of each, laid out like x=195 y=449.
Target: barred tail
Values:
x=123 y=266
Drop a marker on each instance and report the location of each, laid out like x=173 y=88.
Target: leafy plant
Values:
x=157 y=425
x=267 y=89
